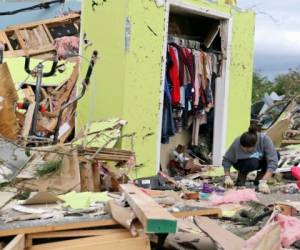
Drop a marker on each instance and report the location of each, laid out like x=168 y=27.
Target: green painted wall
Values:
x=104 y=28
x=127 y=84
x=241 y=68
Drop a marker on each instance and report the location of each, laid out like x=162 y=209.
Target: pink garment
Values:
x=234 y=196
x=197 y=82
x=290 y=229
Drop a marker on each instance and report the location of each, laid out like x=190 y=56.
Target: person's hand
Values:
x=228 y=182
x=263 y=187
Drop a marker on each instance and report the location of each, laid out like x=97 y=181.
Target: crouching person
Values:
x=249 y=152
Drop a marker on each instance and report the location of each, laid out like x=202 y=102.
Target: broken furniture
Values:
x=38 y=37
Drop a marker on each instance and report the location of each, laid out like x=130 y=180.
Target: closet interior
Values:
x=193 y=65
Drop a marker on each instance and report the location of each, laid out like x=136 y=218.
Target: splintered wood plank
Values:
x=21 y=40
x=86 y=177
x=200 y=212
x=28 y=121
x=76 y=233
x=4 y=39
x=29 y=94
x=226 y=239
x=18 y=243
x=139 y=243
x=58 y=227
x=51 y=21
x=72 y=234
x=43 y=35
x=37 y=36
x=277 y=130
x=154 y=218
x=48 y=34
x=81 y=241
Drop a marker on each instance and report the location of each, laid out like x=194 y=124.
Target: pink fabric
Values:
x=296 y=172
x=290 y=229
x=65 y=45
x=255 y=239
x=234 y=196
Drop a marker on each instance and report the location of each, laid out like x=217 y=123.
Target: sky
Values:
x=277 y=35
x=32 y=16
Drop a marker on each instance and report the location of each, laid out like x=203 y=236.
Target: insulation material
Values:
x=8 y=96
x=67 y=46
x=290 y=229
x=234 y=196
x=266 y=238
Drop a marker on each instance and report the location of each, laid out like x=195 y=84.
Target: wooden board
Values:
x=72 y=234
x=86 y=177
x=58 y=227
x=226 y=239
x=277 y=130
x=201 y=212
x=28 y=121
x=81 y=241
x=35 y=38
x=153 y=217
x=139 y=243
x=76 y=233
x=56 y=20
x=18 y=243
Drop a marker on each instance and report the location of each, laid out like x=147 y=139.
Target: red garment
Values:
x=174 y=76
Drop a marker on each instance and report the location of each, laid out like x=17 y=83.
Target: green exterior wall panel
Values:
x=143 y=82
x=241 y=68
x=104 y=28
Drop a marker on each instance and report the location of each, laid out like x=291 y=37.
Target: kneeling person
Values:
x=249 y=152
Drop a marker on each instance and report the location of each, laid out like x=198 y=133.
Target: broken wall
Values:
x=127 y=82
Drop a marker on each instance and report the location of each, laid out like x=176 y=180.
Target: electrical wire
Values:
x=45 y=5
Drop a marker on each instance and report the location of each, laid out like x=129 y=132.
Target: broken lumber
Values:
x=226 y=239
x=86 y=177
x=200 y=212
x=153 y=217
x=126 y=217
x=9 y=231
x=34 y=38
x=110 y=242
x=277 y=130
x=18 y=243
x=71 y=234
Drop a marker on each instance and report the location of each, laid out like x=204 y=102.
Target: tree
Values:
x=261 y=85
x=288 y=84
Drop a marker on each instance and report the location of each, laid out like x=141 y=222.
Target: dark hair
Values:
x=249 y=139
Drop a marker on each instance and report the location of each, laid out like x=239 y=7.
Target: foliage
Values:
x=284 y=84
x=261 y=85
x=49 y=168
x=288 y=84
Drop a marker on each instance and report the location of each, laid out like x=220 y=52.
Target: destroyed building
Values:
x=105 y=144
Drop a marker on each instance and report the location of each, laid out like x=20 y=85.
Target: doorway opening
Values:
x=194 y=89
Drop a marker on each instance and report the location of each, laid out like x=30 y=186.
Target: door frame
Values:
x=222 y=85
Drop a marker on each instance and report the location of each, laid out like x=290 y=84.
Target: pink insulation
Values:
x=290 y=229
x=66 y=46
x=234 y=196
x=259 y=236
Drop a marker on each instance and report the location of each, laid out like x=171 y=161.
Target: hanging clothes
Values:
x=168 y=126
x=189 y=90
x=174 y=75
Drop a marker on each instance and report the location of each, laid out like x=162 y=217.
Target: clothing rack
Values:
x=192 y=44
